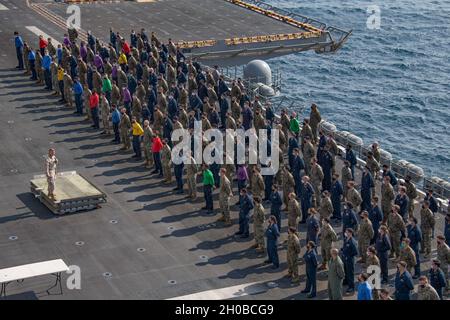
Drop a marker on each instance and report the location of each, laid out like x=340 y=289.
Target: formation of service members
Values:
x=144 y=89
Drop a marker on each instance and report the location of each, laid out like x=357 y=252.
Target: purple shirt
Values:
x=114 y=71
x=98 y=62
x=126 y=95
x=67 y=42
x=83 y=52
x=242 y=173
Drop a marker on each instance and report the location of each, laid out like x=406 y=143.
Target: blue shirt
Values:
x=46 y=61
x=77 y=88
x=115 y=116
x=364 y=291
x=59 y=53
x=31 y=56
x=19 y=42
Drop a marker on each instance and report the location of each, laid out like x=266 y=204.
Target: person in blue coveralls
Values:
x=272 y=235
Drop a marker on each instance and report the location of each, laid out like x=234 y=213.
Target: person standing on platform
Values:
x=50 y=171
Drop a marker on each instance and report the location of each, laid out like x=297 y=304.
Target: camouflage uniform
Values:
x=294 y=213
x=87 y=108
x=354 y=198
x=387 y=196
x=308 y=154
x=166 y=163
x=68 y=83
x=395 y=226
x=258 y=226
x=136 y=109
x=314 y=120
x=407 y=254
x=427 y=293
x=224 y=198
x=443 y=255
x=427 y=223
x=316 y=175
x=346 y=176
x=191 y=171
x=326 y=208
x=365 y=234
x=148 y=137
x=411 y=192
x=293 y=249
x=124 y=128
x=105 y=115
x=327 y=237
x=288 y=186
x=258 y=186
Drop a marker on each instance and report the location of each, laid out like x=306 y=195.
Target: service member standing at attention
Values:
x=272 y=235
x=137 y=132
x=403 y=282
x=310 y=258
x=383 y=246
x=224 y=198
x=293 y=250
x=258 y=225
x=327 y=237
x=50 y=171
x=336 y=275
x=208 y=185
x=349 y=252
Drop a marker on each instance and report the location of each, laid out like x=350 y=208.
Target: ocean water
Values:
x=390 y=85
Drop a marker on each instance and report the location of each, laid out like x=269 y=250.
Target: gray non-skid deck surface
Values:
x=180 y=19
x=174 y=233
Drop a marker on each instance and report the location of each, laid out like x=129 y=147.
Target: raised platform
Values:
x=73 y=193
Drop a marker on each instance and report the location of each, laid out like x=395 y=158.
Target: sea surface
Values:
x=390 y=85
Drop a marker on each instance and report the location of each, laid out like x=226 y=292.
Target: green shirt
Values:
x=294 y=126
x=208 y=178
x=107 y=87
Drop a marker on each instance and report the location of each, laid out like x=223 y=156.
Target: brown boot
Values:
x=221 y=219
x=254 y=246
x=227 y=222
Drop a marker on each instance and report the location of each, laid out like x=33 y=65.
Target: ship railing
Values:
x=337 y=36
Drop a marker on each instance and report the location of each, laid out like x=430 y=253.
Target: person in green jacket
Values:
x=294 y=125
x=208 y=185
x=107 y=87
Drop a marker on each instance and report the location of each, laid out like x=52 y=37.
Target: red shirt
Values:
x=157 y=145
x=126 y=48
x=93 y=101
x=43 y=43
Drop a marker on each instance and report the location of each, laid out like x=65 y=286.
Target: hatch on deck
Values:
x=73 y=193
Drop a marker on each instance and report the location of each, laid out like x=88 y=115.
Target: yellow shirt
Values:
x=137 y=129
x=60 y=74
x=122 y=59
